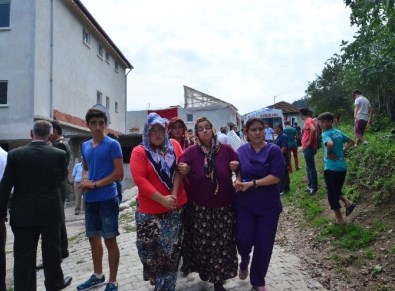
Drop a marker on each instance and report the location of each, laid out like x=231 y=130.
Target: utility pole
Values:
x=274 y=100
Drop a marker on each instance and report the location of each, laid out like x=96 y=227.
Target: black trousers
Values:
x=3 y=237
x=284 y=181
x=25 y=252
x=63 y=235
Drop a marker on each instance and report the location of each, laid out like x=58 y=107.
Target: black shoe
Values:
x=307 y=190
x=219 y=287
x=65 y=254
x=39 y=267
x=203 y=277
x=66 y=282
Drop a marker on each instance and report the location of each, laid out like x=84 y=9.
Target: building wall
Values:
x=219 y=117
x=16 y=66
x=78 y=73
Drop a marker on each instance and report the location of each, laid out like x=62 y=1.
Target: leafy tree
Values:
x=367 y=63
x=328 y=92
x=370 y=59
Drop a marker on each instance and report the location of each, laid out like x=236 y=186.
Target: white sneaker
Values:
x=365 y=142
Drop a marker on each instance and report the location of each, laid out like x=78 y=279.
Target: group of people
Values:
x=36 y=175
x=189 y=207
x=335 y=143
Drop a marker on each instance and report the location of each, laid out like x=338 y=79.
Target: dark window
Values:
x=189 y=117
x=4 y=13
x=3 y=92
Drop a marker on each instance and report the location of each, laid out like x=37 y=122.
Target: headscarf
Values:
x=185 y=141
x=162 y=159
x=209 y=156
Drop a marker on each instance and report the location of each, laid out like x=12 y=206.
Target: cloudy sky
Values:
x=242 y=51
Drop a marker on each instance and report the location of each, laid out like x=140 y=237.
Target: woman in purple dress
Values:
x=258 y=205
x=211 y=247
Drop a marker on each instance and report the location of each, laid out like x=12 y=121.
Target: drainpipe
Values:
x=126 y=97
x=51 y=62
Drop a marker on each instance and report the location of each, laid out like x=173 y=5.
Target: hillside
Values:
x=361 y=254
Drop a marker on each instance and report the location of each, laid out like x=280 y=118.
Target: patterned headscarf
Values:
x=185 y=141
x=162 y=159
x=209 y=155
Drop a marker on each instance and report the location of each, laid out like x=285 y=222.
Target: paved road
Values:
x=285 y=271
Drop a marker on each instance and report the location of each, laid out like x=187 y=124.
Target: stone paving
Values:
x=285 y=271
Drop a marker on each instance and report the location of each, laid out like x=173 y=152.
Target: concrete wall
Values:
x=17 y=48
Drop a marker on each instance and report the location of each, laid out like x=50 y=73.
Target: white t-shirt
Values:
x=3 y=161
x=234 y=139
x=223 y=138
x=363 y=107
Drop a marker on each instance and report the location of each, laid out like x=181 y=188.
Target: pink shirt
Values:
x=307 y=132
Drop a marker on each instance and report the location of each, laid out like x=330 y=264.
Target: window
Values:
x=3 y=92
x=100 y=51
x=189 y=117
x=116 y=67
x=116 y=106
x=4 y=13
x=108 y=103
x=107 y=57
x=86 y=37
x=99 y=97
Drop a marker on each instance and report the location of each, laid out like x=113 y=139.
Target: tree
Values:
x=328 y=92
x=370 y=59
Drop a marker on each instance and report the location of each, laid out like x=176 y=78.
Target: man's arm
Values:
x=313 y=132
x=356 y=108
x=329 y=146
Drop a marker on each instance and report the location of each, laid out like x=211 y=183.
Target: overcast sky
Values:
x=244 y=52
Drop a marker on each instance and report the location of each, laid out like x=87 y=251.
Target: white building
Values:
x=197 y=104
x=56 y=62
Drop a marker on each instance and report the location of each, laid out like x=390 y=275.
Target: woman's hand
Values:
x=183 y=168
x=234 y=165
x=169 y=201
x=243 y=186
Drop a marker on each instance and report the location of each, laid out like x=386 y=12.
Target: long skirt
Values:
x=209 y=247
x=159 y=239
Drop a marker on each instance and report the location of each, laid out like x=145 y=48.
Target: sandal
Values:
x=350 y=209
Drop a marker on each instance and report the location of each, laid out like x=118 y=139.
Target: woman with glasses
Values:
x=258 y=204
x=160 y=198
x=210 y=244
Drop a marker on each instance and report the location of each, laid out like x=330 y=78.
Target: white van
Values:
x=272 y=116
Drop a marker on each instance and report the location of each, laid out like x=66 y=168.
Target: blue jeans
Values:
x=101 y=218
x=309 y=154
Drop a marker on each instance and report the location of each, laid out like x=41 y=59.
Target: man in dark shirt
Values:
x=282 y=142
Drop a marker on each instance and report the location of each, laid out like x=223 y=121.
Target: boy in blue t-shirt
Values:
x=335 y=167
x=102 y=166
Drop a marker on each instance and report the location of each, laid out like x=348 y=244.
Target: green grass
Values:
x=370 y=170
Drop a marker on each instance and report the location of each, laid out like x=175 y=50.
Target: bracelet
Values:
x=254 y=183
x=94 y=185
